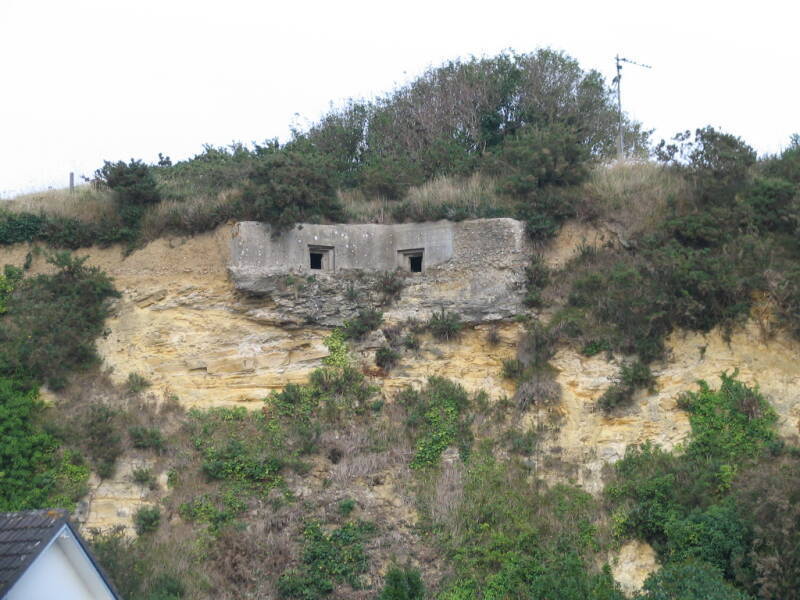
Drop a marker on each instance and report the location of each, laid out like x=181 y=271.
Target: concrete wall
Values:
x=476 y=268
x=365 y=247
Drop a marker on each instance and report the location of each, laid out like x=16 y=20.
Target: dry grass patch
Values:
x=440 y=198
x=636 y=195
x=85 y=204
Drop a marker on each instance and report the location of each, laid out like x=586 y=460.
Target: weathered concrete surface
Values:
x=475 y=268
x=255 y=250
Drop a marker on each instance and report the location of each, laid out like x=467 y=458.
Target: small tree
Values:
x=132 y=182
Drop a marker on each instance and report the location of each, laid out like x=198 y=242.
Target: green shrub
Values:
x=402 y=583
x=51 y=321
x=594 y=347
x=688 y=581
x=347 y=506
x=445 y=325
x=146 y=519
x=386 y=357
x=27 y=453
x=390 y=284
x=411 y=342
x=513 y=369
x=770 y=199
x=9 y=278
x=536 y=157
x=716 y=162
x=328 y=559
x=147 y=438
x=102 y=438
x=436 y=418
x=521 y=442
x=787 y=164
x=715 y=535
x=137 y=383
x=631 y=377
x=537 y=276
x=133 y=183
x=144 y=477
x=166 y=587
x=59 y=232
x=217 y=510
x=287 y=187
x=367 y=320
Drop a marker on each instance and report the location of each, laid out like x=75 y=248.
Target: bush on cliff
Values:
x=51 y=321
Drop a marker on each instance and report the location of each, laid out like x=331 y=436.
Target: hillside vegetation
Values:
x=281 y=501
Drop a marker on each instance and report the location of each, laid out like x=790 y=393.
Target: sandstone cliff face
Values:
x=182 y=324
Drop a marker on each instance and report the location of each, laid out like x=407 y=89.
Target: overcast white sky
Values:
x=87 y=80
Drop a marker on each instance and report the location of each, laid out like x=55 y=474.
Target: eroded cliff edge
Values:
x=184 y=325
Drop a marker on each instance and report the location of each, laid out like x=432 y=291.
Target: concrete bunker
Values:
x=411 y=260
x=321 y=258
x=329 y=249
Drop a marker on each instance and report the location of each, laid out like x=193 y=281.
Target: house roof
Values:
x=23 y=536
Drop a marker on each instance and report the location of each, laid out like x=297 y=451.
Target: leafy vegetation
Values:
x=51 y=321
x=146 y=519
x=437 y=418
x=33 y=472
x=445 y=325
x=403 y=583
x=631 y=377
x=696 y=506
x=328 y=558
x=367 y=320
x=515 y=539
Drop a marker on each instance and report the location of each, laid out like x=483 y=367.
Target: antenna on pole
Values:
x=617 y=81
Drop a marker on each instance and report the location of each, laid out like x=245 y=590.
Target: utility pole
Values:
x=618 y=82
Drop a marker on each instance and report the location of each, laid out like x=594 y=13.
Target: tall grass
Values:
x=636 y=195
x=445 y=197
x=85 y=203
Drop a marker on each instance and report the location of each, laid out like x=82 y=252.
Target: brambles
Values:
x=701 y=506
